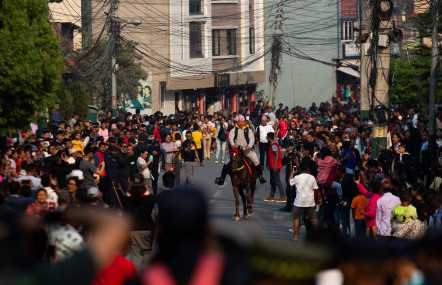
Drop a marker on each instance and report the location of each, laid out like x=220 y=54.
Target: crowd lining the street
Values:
x=63 y=190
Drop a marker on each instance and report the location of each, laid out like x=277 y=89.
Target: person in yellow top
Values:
x=197 y=139
x=78 y=144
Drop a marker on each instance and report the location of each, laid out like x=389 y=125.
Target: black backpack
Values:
x=222 y=135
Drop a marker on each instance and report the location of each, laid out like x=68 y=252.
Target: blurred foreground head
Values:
x=182 y=216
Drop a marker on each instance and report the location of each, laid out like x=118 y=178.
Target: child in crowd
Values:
x=358 y=206
x=402 y=215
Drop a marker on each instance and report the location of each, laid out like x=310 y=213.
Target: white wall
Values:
x=179 y=39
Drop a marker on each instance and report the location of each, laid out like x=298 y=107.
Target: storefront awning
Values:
x=349 y=71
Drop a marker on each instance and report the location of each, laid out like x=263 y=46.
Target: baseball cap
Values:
x=93 y=192
x=77 y=173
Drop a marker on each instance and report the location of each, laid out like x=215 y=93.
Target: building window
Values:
x=163 y=94
x=196 y=39
x=216 y=42
x=195 y=7
x=231 y=42
x=252 y=40
x=346 y=30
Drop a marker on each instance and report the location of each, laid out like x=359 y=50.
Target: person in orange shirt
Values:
x=358 y=206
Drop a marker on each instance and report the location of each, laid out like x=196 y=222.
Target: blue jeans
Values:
x=360 y=230
x=343 y=212
x=220 y=149
x=275 y=180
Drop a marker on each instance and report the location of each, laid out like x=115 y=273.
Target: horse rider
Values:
x=242 y=137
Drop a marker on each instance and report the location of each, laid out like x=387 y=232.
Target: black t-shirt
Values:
x=188 y=151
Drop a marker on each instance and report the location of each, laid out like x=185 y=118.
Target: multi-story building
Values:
x=201 y=55
x=66 y=19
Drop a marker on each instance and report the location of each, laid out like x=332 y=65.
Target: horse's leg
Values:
x=244 y=201
x=236 y=194
x=250 y=196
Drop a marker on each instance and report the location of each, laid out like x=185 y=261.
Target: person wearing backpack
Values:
x=221 y=139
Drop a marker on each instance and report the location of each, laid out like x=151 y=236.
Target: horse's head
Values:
x=236 y=157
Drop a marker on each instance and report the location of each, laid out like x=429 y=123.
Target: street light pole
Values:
x=114 y=32
x=114 y=59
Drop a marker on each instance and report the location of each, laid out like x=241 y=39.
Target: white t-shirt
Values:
x=305 y=195
x=145 y=171
x=263 y=131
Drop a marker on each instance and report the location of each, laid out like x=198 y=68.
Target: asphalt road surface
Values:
x=267 y=222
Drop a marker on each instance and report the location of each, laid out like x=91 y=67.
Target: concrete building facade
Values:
x=201 y=55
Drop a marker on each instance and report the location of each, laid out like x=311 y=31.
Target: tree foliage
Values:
x=80 y=99
x=98 y=84
x=31 y=63
x=411 y=86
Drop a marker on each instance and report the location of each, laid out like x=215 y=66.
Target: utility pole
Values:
x=365 y=26
x=378 y=82
x=276 y=55
x=433 y=78
x=113 y=34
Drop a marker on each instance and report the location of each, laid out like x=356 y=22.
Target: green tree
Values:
x=80 y=99
x=98 y=84
x=411 y=86
x=31 y=63
x=64 y=98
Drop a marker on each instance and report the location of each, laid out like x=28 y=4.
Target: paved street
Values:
x=267 y=222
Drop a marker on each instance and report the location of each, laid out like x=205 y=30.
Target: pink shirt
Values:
x=104 y=133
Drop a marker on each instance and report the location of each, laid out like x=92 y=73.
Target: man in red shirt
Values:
x=275 y=165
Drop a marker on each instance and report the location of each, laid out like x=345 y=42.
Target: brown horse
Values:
x=243 y=183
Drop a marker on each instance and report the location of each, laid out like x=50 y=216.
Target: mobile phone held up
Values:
x=357 y=174
x=150 y=156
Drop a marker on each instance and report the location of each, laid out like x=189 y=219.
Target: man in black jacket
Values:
x=123 y=167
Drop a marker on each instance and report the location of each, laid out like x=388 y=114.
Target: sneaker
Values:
x=269 y=199
x=216 y=161
x=291 y=230
x=222 y=161
x=281 y=200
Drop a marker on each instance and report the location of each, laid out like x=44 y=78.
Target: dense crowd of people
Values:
x=65 y=191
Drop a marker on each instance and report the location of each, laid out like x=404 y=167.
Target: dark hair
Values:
x=40 y=190
x=375 y=187
x=346 y=145
x=169 y=179
x=325 y=151
x=438 y=198
x=88 y=150
x=405 y=196
x=45 y=180
x=25 y=191
x=77 y=181
x=143 y=151
x=271 y=135
x=14 y=188
x=303 y=166
x=178 y=136
x=372 y=163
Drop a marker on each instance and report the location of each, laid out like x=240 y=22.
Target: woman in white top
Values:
x=143 y=168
